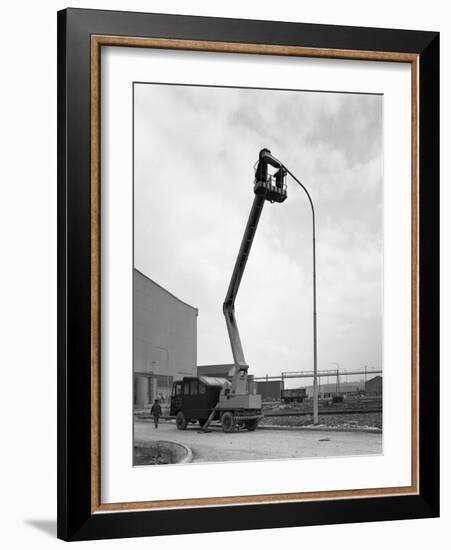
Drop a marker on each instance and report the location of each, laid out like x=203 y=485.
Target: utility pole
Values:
x=337 y=383
x=315 y=334
x=266 y=153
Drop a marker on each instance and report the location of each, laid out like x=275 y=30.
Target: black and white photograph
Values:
x=226 y=247
x=257 y=274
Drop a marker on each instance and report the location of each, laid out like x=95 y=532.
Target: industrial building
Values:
x=374 y=386
x=330 y=390
x=164 y=341
x=270 y=390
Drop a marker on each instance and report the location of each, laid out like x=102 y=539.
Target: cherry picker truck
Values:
x=232 y=404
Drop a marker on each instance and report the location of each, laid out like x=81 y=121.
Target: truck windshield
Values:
x=176 y=389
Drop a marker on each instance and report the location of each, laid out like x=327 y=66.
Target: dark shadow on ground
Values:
x=47 y=526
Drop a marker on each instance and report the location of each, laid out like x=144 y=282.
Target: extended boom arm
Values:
x=266 y=187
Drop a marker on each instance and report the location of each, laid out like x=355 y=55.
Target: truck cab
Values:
x=194 y=398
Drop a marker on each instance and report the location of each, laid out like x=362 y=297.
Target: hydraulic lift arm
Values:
x=229 y=303
x=273 y=189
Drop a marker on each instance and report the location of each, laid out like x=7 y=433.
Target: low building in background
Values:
x=164 y=341
x=330 y=390
x=374 y=386
x=270 y=390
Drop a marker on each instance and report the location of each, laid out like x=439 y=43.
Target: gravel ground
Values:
x=266 y=443
x=342 y=420
x=339 y=420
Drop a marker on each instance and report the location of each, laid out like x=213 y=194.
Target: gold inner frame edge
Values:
x=97 y=41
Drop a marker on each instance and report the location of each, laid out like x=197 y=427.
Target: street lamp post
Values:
x=315 y=339
x=266 y=153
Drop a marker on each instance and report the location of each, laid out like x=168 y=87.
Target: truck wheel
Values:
x=227 y=422
x=180 y=421
x=251 y=425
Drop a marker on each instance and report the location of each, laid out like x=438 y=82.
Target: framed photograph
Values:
x=248 y=274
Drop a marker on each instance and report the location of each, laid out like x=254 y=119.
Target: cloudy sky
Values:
x=195 y=148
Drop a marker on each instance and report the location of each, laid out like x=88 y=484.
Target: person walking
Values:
x=155 y=411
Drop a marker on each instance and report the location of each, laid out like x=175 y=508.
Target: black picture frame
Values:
x=76 y=519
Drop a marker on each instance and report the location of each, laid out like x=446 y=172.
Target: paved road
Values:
x=264 y=443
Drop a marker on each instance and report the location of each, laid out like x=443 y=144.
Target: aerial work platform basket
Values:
x=271 y=187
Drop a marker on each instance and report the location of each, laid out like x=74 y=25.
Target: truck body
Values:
x=198 y=399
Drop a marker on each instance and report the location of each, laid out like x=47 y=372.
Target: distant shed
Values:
x=374 y=386
x=270 y=389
